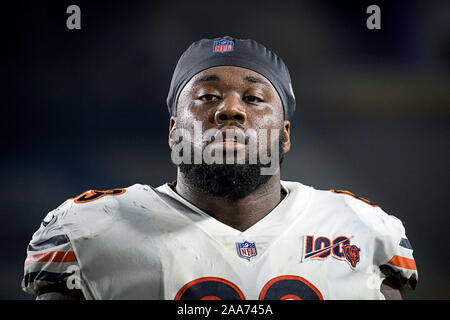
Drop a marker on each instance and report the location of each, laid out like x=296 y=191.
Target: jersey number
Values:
x=354 y=196
x=287 y=287
x=92 y=195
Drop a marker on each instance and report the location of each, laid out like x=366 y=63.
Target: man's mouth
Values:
x=229 y=138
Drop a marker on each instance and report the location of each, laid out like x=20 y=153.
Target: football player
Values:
x=224 y=229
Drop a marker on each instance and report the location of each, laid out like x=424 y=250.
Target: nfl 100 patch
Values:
x=246 y=249
x=223 y=45
x=322 y=247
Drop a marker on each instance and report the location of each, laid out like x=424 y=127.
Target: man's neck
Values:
x=239 y=214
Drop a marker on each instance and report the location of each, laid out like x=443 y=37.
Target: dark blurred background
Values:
x=85 y=109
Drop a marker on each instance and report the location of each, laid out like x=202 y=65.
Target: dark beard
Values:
x=232 y=181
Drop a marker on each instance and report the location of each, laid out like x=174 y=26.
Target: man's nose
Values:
x=231 y=110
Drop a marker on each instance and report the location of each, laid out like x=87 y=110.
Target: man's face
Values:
x=230 y=102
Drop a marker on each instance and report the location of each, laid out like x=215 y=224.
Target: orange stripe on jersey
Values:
x=52 y=256
x=354 y=196
x=403 y=262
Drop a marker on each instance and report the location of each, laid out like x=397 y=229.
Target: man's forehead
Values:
x=238 y=53
x=227 y=73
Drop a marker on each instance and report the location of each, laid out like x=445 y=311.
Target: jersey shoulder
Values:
x=54 y=251
x=353 y=207
x=387 y=233
x=51 y=253
x=95 y=210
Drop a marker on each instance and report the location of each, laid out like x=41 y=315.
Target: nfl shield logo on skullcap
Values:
x=223 y=45
x=246 y=249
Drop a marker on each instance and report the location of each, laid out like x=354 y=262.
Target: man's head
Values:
x=238 y=112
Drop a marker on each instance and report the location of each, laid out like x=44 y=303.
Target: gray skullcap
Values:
x=227 y=51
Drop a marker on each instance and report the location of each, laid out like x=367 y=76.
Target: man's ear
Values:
x=287 y=136
x=172 y=129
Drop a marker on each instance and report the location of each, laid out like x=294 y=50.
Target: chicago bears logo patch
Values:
x=351 y=254
x=322 y=248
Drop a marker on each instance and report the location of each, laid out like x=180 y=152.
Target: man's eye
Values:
x=208 y=97
x=252 y=99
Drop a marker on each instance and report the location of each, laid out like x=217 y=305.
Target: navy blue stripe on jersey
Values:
x=405 y=243
x=43 y=276
x=49 y=243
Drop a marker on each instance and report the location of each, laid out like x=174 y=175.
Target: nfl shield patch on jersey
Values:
x=246 y=249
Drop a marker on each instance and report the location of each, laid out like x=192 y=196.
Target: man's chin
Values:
x=232 y=181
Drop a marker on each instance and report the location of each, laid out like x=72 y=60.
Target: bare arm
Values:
x=59 y=292
x=389 y=292
x=394 y=285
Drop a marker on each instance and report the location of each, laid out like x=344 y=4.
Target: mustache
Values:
x=231 y=124
x=223 y=129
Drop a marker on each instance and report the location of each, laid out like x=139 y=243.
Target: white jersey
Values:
x=146 y=243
